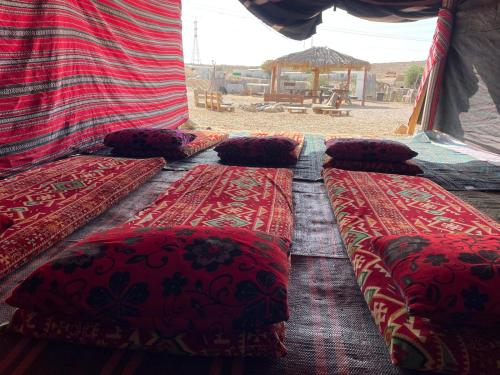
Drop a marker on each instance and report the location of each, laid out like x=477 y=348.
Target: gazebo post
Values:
x=364 y=87
x=273 y=79
x=348 y=80
x=279 y=68
x=315 y=84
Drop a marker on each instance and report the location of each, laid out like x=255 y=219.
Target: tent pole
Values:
x=364 y=86
x=412 y=122
x=273 y=80
x=431 y=86
x=315 y=84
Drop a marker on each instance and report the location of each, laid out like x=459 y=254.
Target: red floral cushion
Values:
x=447 y=278
x=368 y=150
x=5 y=222
x=169 y=280
x=145 y=142
x=169 y=154
x=401 y=167
x=263 y=151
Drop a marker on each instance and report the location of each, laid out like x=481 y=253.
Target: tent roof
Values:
x=297 y=19
x=322 y=58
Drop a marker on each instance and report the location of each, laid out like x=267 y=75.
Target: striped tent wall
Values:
x=72 y=71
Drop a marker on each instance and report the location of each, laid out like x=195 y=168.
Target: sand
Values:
x=374 y=119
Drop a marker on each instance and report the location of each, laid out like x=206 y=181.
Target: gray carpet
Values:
x=472 y=175
x=316 y=232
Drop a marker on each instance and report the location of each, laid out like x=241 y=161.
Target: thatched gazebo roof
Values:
x=318 y=60
x=323 y=59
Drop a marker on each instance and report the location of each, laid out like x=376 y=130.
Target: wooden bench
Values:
x=336 y=112
x=213 y=102
x=199 y=98
x=296 y=109
x=284 y=98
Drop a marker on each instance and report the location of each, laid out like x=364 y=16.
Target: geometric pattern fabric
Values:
x=258 y=199
x=203 y=140
x=368 y=205
x=48 y=203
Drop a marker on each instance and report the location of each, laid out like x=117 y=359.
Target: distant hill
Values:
x=391 y=73
x=378 y=68
x=392 y=69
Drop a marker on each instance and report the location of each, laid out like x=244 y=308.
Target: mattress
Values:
x=258 y=199
x=203 y=140
x=50 y=202
x=367 y=205
x=263 y=342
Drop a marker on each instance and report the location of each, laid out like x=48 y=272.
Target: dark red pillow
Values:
x=5 y=222
x=171 y=154
x=170 y=280
x=263 y=151
x=368 y=150
x=446 y=277
x=145 y=142
x=402 y=167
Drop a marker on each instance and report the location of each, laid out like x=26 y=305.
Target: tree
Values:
x=267 y=66
x=413 y=75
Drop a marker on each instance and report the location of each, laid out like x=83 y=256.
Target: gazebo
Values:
x=318 y=60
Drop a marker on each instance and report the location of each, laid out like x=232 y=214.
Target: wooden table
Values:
x=296 y=109
x=336 y=112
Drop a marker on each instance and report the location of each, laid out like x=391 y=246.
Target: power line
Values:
x=324 y=28
x=370 y=34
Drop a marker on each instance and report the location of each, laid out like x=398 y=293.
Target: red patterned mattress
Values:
x=203 y=140
x=258 y=199
x=367 y=205
x=49 y=202
x=263 y=342
x=297 y=137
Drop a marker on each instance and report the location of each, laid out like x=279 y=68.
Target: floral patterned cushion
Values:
x=5 y=222
x=262 y=151
x=146 y=142
x=448 y=277
x=401 y=167
x=169 y=280
x=368 y=150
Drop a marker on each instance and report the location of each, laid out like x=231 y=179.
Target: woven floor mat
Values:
x=471 y=175
x=316 y=232
x=486 y=202
x=310 y=163
x=330 y=331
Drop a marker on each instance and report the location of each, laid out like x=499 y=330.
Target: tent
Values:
x=72 y=71
x=65 y=85
x=460 y=92
x=318 y=60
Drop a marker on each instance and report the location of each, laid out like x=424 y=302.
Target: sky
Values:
x=229 y=34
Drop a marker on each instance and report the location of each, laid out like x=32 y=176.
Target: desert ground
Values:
x=374 y=119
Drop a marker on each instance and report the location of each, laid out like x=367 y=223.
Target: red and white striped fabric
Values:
x=436 y=60
x=72 y=71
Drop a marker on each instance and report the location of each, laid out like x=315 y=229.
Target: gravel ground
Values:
x=375 y=119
